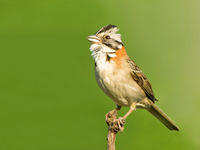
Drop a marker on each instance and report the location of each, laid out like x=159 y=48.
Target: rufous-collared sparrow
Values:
x=120 y=78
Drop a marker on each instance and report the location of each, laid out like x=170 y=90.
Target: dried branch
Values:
x=113 y=128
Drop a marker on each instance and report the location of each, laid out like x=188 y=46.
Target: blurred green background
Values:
x=49 y=98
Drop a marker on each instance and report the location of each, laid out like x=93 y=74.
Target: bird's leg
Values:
x=111 y=113
x=132 y=108
x=121 y=120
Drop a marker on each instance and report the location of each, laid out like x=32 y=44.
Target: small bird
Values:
x=120 y=78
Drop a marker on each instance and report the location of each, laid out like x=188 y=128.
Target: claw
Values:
x=117 y=125
x=114 y=123
x=120 y=124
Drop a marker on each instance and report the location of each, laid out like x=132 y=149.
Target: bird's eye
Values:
x=107 y=37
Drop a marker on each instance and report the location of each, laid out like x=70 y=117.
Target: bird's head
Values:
x=105 y=41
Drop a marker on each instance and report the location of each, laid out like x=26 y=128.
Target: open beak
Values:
x=94 y=39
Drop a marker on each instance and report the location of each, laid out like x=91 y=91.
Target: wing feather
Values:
x=138 y=76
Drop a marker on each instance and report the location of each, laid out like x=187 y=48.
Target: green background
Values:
x=49 y=99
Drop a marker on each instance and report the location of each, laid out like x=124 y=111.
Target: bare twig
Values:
x=113 y=129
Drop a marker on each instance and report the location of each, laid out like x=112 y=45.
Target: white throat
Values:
x=100 y=52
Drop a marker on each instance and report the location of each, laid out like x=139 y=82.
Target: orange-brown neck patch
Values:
x=120 y=54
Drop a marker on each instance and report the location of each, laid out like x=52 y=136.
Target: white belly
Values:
x=118 y=85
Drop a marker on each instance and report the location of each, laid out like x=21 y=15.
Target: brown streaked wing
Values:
x=141 y=80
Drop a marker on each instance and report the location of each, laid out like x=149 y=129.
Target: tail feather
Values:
x=159 y=114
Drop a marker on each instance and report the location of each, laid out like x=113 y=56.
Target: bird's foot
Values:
x=115 y=124
x=118 y=124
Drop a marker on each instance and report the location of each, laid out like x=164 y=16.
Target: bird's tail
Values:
x=159 y=114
